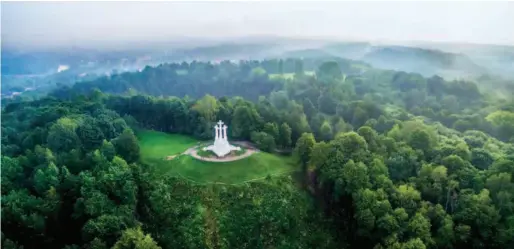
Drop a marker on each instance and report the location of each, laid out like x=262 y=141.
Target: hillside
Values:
x=39 y=70
x=384 y=159
x=427 y=62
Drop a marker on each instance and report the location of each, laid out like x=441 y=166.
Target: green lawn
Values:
x=156 y=146
x=254 y=167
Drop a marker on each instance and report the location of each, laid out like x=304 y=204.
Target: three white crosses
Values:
x=221 y=131
x=221 y=147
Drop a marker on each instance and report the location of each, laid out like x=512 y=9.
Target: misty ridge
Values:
x=38 y=68
x=46 y=44
x=428 y=59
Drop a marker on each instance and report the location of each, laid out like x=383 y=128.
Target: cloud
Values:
x=82 y=23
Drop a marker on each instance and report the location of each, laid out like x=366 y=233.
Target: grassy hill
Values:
x=156 y=146
x=253 y=168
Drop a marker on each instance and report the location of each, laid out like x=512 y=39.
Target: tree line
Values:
x=378 y=167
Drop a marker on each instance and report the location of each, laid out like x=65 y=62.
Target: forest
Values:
x=385 y=159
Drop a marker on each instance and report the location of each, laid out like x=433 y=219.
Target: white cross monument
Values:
x=221 y=147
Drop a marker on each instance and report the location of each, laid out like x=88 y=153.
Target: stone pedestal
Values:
x=221 y=146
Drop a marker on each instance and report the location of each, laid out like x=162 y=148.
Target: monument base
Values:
x=221 y=148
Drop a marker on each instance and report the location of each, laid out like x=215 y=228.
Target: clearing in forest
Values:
x=156 y=147
x=163 y=151
x=255 y=167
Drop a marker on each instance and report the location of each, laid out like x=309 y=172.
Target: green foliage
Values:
x=46 y=178
x=264 y=141
x=354 y=177
x=371 y=138
x=403 y=164
x=420 y=139
x=105 y=227
x=245 y=121
x=319 y=154
x=329 y=70
x=352 y=146
x=503 y=122
x=136 y=239
x=90 y=134
x=71 y=162
x=108 y=150
x=325 y=131
x=417 y=134
x=303 y=148
x=127 y=145
x=272 y=130
x=258 y=72
x=207 y=107
x=284 y=138
x=62 y=136
x=12 y=174
x=481 y=159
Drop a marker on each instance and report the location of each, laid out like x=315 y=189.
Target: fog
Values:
x=94 y=24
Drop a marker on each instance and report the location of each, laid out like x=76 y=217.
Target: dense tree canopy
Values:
x=387 y=159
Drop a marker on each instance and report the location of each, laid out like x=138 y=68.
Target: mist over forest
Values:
x=345 y=125
x=40 y=69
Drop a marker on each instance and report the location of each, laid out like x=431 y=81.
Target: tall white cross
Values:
x=219 y=130
x=225 y=132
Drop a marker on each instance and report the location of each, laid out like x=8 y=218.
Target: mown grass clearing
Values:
x=156 y=146
x=255 y=167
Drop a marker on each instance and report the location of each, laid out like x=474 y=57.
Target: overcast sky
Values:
x=78 y=23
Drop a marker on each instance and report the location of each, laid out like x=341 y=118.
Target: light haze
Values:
x=41 y=24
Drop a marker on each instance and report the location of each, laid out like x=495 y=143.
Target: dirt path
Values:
x=194 y=153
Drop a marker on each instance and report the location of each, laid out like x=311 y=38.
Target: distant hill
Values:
x=351 y=50
x=424 y=61
x=307 y=53
x=401 y=58
x=468 y=61
x=498 y=59
x=14 y=63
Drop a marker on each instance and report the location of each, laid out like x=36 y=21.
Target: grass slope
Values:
x=254 y=167
x=156 y=146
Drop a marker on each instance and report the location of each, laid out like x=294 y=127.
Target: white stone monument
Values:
x=221 y=147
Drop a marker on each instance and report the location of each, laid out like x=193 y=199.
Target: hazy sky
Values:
x=79 y=23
